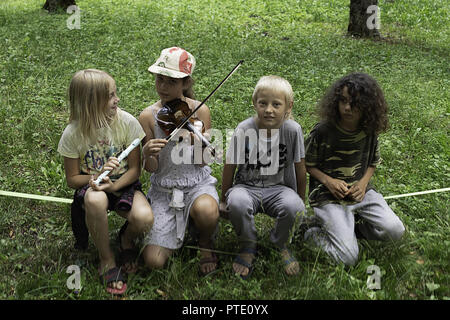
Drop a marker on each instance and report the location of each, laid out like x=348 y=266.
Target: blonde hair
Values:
x=88 y=100
x=274 y=83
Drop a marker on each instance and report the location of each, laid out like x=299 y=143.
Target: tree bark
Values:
x=53 y=5
x=361 y=23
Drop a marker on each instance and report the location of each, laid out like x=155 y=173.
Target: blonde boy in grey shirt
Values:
x=268 y=152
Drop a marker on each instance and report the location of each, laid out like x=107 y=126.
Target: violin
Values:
x=175 y=112
x=176 y=115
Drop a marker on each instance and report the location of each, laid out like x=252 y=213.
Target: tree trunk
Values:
x=53 y=5
x=362 y=23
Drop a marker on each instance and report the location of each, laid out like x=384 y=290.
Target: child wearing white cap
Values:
x=180 y=194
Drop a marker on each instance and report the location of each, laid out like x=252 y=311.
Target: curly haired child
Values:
x=342 y=152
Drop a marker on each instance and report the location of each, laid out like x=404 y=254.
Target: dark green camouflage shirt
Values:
x=341 y=155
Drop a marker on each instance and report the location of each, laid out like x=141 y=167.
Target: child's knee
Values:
x=341 y=250
x=95 y=202
x=348 y=253
x=297 y=205
x=142 y=218
x=349 y=259
x=394 y=230
x=390 y=228
x=238 y=201
x=154 y=260
x=205 y=208
x=293 y=206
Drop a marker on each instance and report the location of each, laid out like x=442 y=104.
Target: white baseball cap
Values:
x=174 y=62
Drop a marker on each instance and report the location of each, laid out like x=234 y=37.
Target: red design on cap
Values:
x=173 y=49
x=184 y=65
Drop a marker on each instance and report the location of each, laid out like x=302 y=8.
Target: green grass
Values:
x=303 y=41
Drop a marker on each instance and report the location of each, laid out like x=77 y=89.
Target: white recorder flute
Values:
x=122 y=156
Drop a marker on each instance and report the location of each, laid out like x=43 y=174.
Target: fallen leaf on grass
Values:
x=420 y=261
x=161 y=293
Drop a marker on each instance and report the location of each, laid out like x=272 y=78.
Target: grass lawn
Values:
x=303 y=41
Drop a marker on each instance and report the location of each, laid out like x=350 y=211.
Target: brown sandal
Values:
x=204 y=261
x=207 y=260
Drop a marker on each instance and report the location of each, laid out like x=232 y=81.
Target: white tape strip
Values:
x=64 y=200
x=34 y=196
x=417 y=193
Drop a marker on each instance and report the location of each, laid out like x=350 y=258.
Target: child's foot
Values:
x=112 y=277
x=243 y=263
x=208 y=261
x=291 y=266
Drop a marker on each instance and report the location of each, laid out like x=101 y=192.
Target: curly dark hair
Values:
x=366 y=95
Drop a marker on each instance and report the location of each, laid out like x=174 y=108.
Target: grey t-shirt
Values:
x=266 y=161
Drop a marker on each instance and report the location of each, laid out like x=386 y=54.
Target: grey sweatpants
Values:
x=279 y=202
x=337 y=236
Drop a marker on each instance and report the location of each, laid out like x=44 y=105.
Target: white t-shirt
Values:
x=94 y=156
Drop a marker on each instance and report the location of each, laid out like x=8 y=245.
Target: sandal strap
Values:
x=242 y=262
x=112 y=275
x=291 y=257
x=290 y=260
x=212 y=259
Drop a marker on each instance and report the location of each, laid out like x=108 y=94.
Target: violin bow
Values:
x=175 y=131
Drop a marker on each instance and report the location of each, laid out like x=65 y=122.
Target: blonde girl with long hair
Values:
x=98 y=131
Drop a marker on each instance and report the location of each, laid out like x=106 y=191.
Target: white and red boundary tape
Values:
x=64 y=200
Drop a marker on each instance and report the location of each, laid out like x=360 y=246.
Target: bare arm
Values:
x=74 y=179
x=151 y=146
x=204 y=114
x=300 y=174
x=227 y=182
x=227 y=179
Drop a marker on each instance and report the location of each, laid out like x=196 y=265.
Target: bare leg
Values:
x=155 y=257
x=140 y=221
x=205 y=213
x=96 y=204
